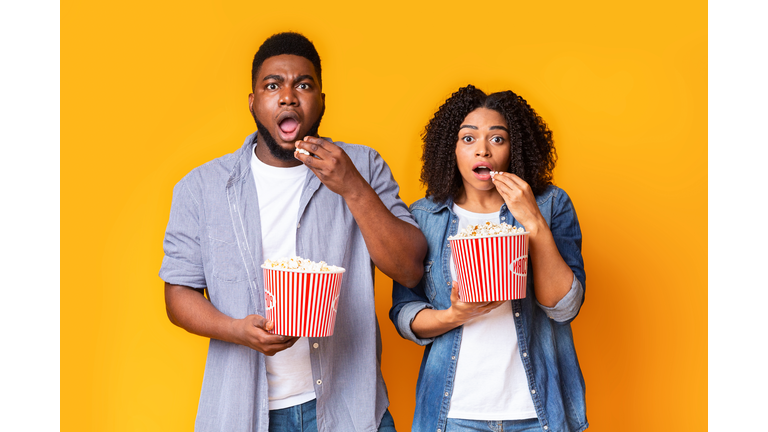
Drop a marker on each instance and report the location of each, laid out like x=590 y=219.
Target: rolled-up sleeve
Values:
x=183 y=263
x=568 y=306
x=567 y=234
x=406 y=303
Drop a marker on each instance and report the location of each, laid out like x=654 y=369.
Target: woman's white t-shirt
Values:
x=490 y=381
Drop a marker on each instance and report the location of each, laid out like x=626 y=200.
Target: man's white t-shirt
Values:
x=490 y=382
x=289 y=372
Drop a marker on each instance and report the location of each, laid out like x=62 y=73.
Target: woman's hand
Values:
x=520 y=201
x=552 y=276
x=461 y=313
x=430 y=323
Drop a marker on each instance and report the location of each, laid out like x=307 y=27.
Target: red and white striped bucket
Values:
x=302 y=303
x=492 y=268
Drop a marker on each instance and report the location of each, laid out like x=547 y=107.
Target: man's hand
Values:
x=190 y=310
x=253 y=332
x=397 y=248
x=331 y=165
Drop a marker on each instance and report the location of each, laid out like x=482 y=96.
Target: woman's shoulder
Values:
x=427 y=204
x=554 y=194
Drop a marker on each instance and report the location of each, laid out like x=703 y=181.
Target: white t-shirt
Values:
x=490 y=382
x=289 y=372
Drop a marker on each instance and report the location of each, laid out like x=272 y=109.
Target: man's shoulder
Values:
x=214 y=171
x=356 y=151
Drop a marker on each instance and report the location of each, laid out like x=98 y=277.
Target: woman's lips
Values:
x=482 y=171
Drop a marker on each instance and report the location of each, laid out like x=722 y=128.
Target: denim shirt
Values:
x=544 y=334
x=213 y=241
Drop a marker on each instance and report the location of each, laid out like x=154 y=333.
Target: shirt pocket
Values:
x=430 y=283
x=226 y=255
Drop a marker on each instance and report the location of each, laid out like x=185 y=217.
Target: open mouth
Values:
x=288 y=124
x=482 y=171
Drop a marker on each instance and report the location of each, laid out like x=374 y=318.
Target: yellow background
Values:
x=151 y=89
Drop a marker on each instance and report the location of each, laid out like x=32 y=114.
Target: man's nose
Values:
x=288 y=97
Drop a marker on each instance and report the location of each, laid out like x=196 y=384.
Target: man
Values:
x=339 y=204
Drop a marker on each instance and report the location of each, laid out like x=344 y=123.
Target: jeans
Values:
x=527 y=425
x=303 y=418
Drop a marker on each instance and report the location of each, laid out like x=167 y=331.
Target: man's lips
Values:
x=288 y=126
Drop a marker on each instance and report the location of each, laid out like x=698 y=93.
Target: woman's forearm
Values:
x=553 y=278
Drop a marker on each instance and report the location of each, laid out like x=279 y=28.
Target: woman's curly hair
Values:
x=532 y=156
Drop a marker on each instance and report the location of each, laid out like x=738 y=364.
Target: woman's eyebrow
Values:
x=499 y=127
x=468 y=126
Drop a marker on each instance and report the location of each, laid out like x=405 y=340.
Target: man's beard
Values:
x=274 y=148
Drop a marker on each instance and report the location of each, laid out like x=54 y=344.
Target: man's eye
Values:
x=303 y=86
x=271 y=86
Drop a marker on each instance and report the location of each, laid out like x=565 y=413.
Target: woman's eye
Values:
x=467 y=139
x=497 y=140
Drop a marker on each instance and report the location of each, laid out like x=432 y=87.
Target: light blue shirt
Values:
x=213 y=241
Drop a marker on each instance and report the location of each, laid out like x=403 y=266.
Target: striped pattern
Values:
x=301 y=304
x=491 y=268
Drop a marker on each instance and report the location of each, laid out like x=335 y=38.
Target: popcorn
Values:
x=300 y=264
x=488 y=229
x=302 y=151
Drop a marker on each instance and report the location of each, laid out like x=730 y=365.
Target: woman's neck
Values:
x=476 y=201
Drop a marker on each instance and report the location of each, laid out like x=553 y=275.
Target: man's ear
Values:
x=322 y=95
x=250 y=102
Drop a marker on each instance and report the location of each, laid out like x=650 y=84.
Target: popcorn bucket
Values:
x=492 y=268
x=302 y=303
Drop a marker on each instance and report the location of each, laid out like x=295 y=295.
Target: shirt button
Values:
x=546 y=427
x=319 y=382
x=517 y=314
x=525 y=354
x=316 y=345
x=454 y=221
x=446 y=393
x=448 y=283
x=503 y=218
x=532 y=391
x=453 y=357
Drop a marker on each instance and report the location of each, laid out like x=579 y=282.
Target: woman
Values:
x=510 y=365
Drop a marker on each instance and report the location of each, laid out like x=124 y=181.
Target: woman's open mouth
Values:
x=482 y=171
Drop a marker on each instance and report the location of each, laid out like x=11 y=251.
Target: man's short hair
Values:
x=286 y=43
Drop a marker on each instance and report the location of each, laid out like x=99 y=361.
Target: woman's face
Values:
x=483 y=146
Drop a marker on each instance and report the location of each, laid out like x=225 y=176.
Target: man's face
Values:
x=286 y=103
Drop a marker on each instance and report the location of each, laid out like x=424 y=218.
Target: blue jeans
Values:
x=527 y=425
x=303 y=418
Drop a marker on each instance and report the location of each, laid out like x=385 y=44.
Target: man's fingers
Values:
x=273 y=349
x=259 y=321
x=317 y=146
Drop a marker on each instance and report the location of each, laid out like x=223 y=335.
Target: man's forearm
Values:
x=396 y=247
x=190 y=310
